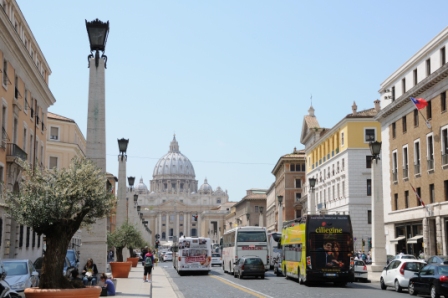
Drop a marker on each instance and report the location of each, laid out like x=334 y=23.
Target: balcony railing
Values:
x=430 y=164
x=405 y=172
x=13 y=150
x=417 y=169
x=445 y=159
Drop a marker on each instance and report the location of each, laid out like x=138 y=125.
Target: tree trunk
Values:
x=51 y=276
x=119 y=254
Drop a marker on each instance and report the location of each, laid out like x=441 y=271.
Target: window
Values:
x=369 y=135
x=394 y=166
x=429 y=110
x=218 y=201
x=428 y=67
x=444 y=139
x=415 y=77
x=419 y=192
x=54 y=133
x=369 y=161
x=394 y=130
x=342 y=139
x=443 y=101
x=393 y=93
x=298 y=196
x=369 y=217
x=417 y=157
x=403 y=122
x=406 y=199
x=24 y=139
x=403 y=85
x=442 y=56
x=5 y=73
x=303 y=167
x=445 y=190
x=430 y=152
x=53 y=162
x=292 y=167
x=343 y=165
x=257 y=209
x=369 y=187
x=432 y=194
x=396 y=201
x=21 y=236
x=405 y=162
x=16 y=87
x=298 y=183
x=416 y=118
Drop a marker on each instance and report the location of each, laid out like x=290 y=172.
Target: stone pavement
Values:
x=133 y=286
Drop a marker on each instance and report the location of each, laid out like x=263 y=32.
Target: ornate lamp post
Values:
x=135 y=200
x=280 y=214
x=122 y=210
x=379 y=256
x=94 y=242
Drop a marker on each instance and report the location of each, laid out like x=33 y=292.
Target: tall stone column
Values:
x=167 y=226
x=176 y=226
x=199 y=224
x=94 y=242
x=185 y=224
x=159 y=230
x=379 y=256
x=188 y=228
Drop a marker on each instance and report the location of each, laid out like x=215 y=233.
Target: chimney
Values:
x=354 y=107
x=377 y=105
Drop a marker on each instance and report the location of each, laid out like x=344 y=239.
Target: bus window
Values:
x=251 y=236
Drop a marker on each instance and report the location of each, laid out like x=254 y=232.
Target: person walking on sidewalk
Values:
x=149 y=261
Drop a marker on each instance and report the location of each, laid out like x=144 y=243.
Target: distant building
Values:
x=247 y=211
x=339 y=159
x=415 y=153
x=26 y=96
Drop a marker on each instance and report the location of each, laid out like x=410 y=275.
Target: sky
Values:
x=231 y=79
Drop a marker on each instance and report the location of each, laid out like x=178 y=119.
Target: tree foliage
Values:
x=125 y=236
x=57 y=202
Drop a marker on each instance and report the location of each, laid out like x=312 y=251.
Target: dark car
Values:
x=249 y=266
x=431 y=279
x=437 y=260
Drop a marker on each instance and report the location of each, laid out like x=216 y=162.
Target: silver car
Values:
x=398 y=273
x=216 y=259
x=20 y=274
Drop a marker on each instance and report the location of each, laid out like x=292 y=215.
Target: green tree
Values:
x=125 y=236
x=56 y=203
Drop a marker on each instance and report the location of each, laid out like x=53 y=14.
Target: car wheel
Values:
x=411 y=289
x=434 y=293
x=262 y=276
x=397 y=286
x=382 y=284
x=234 y=274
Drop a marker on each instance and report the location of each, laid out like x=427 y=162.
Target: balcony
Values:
x=405 y=173
x=417 y=169
x=13 y=152
x=430 y=164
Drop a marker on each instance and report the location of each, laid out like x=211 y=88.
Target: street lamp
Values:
x=261 y=210
x=138 y=208
x=98 y=32
x=312 y=182
x=123 y=147
x=280 y=200
x=135 y=200
x=375 y=149
x=311 y=201
x=131 y=181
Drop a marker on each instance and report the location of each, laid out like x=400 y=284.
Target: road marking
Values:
x=240 y=287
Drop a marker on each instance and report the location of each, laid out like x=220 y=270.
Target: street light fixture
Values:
x=261 y=210
x=123 y=146
x=312 y=182
x=280 y=200
x=98 y=32
x=138 y=208
x=375 y=149
x=131 y=181
x=135 y=200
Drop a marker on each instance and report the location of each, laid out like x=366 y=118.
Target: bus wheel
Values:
x=224 y=267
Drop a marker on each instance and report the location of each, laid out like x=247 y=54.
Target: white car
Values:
x=216 y=259
x=360 y=271
x=403 y=256
x=168 y=256
x=398 y=273
x=20 y=274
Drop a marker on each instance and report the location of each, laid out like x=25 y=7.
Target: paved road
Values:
x=220 y=284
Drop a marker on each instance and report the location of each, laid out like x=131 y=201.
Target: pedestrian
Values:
x=108 y=286
x=90 y=271
x=149 y=262
x=143 y=254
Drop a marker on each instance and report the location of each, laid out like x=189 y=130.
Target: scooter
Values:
x=5 y=288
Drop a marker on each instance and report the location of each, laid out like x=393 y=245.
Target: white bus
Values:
x=194 y=254
x=274 y=251
x=244 y=241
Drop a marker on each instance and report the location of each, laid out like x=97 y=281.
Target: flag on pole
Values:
x=418 y=197
x=419 y=103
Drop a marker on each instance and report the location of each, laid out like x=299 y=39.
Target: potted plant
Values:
x=56 y=203
x=125 y=236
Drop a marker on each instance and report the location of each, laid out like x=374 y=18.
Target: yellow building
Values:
x=25 y=98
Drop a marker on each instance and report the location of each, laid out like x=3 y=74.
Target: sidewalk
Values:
x=133 y=286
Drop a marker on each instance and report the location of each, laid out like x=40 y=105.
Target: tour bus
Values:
x=274 y=251
x=244 y=241
x=194 y=254
x=318 y=248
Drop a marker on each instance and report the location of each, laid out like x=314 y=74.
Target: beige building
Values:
x=25 y=98
x=415 y=152
x=249 y=211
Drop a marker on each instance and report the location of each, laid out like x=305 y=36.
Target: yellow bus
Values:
x=318 y=248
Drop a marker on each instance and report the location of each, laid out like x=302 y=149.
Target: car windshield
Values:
x=215 y=255
x=15 y=268
x=254 y=261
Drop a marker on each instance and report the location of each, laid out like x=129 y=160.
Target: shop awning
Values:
x=414 y=239
x=398 y=239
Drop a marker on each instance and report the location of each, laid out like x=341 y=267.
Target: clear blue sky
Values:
x=232 y=79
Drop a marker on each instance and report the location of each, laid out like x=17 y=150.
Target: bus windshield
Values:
x=256 y=236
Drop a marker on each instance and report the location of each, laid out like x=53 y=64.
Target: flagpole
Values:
x=426 y=121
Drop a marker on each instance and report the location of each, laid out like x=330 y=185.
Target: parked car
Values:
x=404 y=256
x=431 y=279
x=249 y=266
x=216 y=259
x=168 y=256
x=398 y=273
x=20 y=274
x=68 y=268
x=72 y=256
x=360 y=271
x=437 y=260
